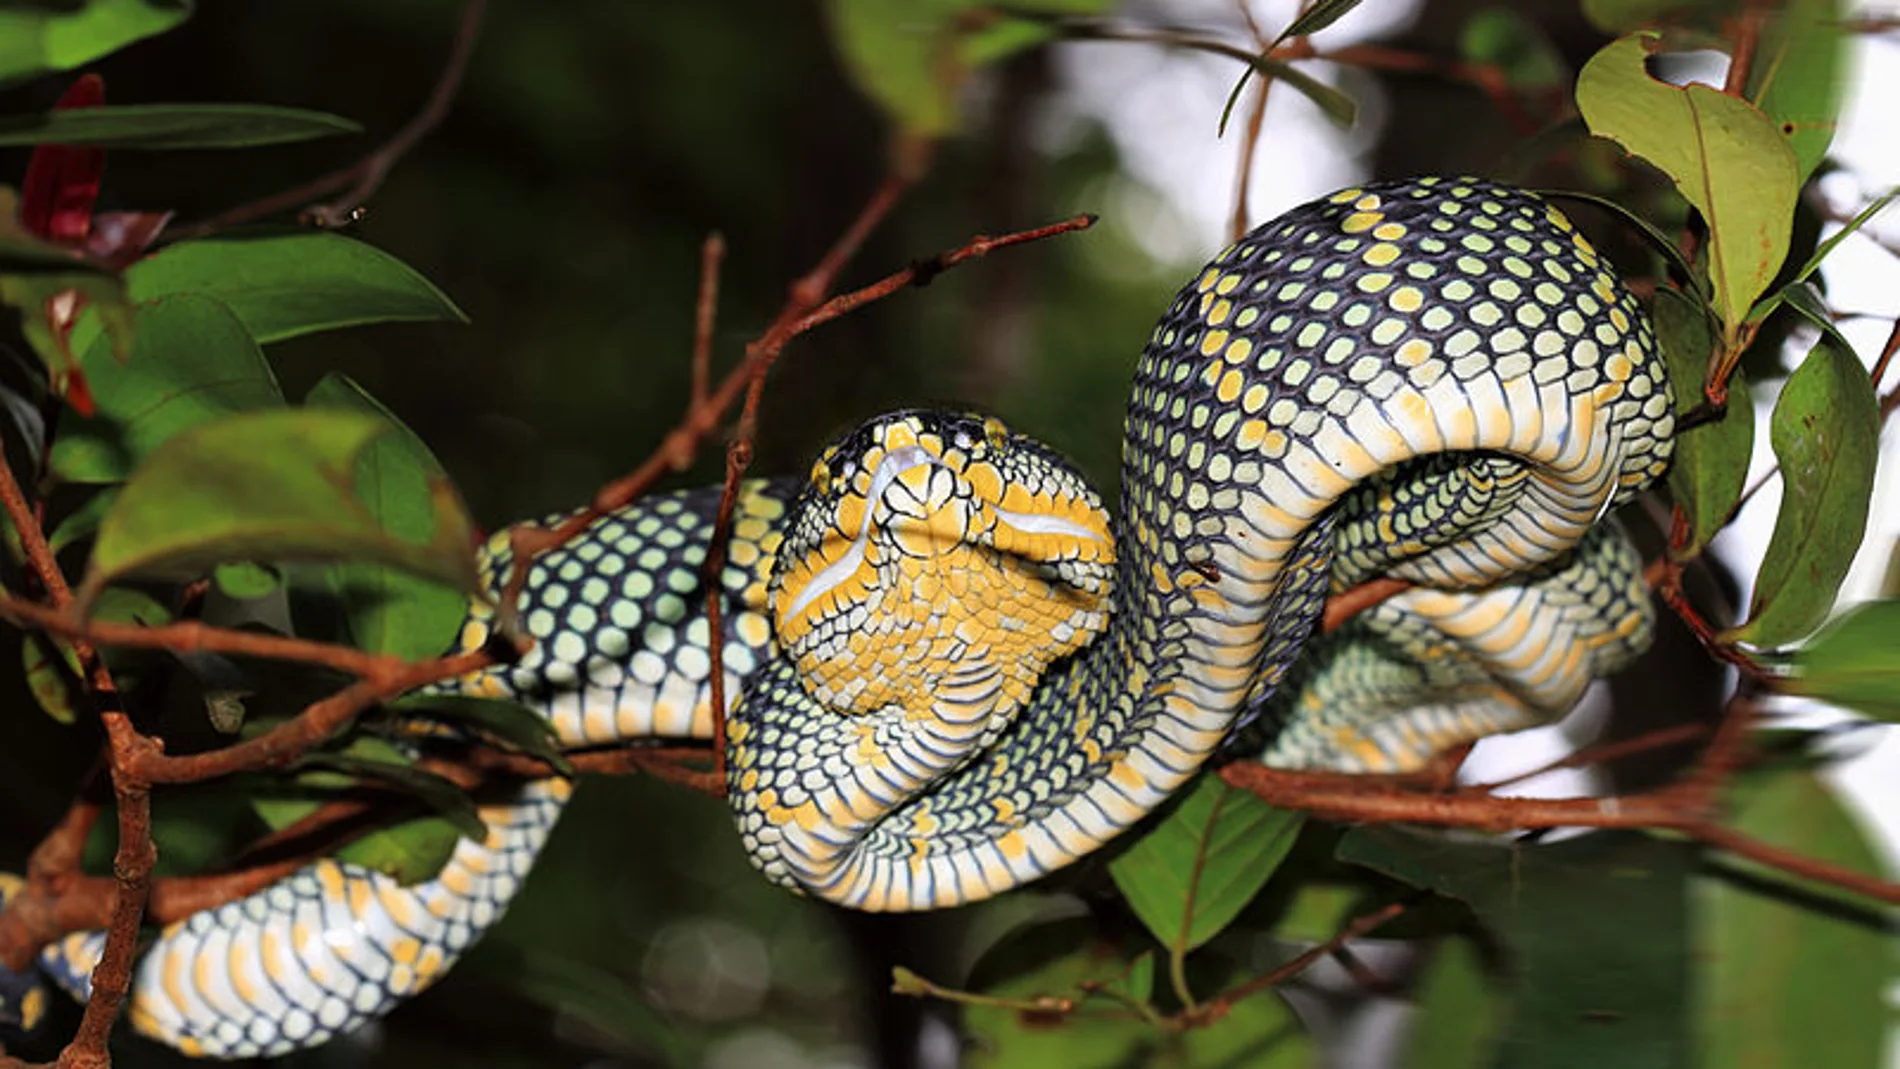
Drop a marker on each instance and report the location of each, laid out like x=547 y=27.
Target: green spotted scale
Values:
x=957 y=672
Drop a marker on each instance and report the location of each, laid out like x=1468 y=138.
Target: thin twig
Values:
x=190 y=636
x=1359 y=927
x=366 y=175
x=706 y=314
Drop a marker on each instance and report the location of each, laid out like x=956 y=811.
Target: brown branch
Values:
x=190 y=636
x=1220 y=1005
x=1602 y=753
x=1742 y=51
x=366 y=175
x=1350 y=603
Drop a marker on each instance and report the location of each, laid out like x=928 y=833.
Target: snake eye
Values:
x=964 y=441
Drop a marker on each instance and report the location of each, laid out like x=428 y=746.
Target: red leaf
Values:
x=62 y=181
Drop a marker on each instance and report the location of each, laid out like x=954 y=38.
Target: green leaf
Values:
x=410 y=851
x=1724 y=156
x=1789 y=975
x=1798 y=73
x=271 y=486
x=510 y=723
x=436 y=792
x=1711 y=460
x=1317 y=17
x=172 y=126
x=1517 y=47
x=1854 y=662
x=1060 y=959
x=1189 y=875
x=36 y=40
x=1622 y=16
x=912 y=58
x=282 y=284
x=385 y=609
x=1826 y=436
x=191 y=361
x=82 y=522
x=244 y=580
x=52 y=672
x=1459 y=1015
x=1595 y=929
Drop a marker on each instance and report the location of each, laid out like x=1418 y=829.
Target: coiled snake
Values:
x=957 y=674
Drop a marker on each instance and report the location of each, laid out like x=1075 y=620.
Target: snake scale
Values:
x=958 y=673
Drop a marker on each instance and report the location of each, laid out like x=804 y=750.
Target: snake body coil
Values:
x=963 y=675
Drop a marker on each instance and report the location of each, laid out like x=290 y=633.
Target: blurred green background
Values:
x=562 y=204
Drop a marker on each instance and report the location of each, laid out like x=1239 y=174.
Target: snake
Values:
x=958 y=672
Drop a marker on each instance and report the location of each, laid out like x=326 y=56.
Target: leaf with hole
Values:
x=1711 y=464
x=1725 y=157
x=1190 y=874
x=385 y=609
x=1826 y=435
x=1854 y=662
x=269 y=486
x=1595 y=929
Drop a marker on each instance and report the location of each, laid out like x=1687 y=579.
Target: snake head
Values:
x=935 y=552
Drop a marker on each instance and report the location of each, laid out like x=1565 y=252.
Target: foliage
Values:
x=156 y=423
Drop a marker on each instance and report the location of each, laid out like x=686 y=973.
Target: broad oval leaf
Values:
x=282 y=284
x=1855 y=662
x=1797 y=75
x=1711 y=464
x=172 y=126
x=37 y=39
x=1724 y=156
x=1190 y=874
x=1786 y=974
x=271 y=486
x=191 y=361
x=1826 y=436
x=384 y=609
x=1596 y=929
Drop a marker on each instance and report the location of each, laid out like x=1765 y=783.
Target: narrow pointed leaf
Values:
x=510 y=723
x=1190 y=874
x=1711 y=463
x=282 y=284
x=1724 y=156
x=270 y=486
x=1826 y=436
x=172 y=126
x=1855 y=662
